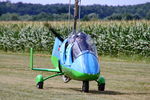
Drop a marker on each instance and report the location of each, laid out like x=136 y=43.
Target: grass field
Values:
x=124 y=81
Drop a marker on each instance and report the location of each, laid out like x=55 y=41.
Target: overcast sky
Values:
x=85 y=2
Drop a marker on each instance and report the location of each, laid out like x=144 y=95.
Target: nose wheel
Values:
x=85 y=86
x=39 y=85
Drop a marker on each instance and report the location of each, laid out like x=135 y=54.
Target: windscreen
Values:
x=82 y=42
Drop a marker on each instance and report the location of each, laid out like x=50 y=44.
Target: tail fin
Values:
x=56 y=53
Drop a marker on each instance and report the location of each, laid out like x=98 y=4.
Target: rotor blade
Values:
x=54 y=32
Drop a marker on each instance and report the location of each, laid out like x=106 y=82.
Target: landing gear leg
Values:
x=40 y=79
x=85 y=86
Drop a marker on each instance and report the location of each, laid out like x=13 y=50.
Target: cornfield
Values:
x=111 y=37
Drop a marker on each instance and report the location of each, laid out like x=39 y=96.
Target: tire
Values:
x=101 y=87
x=85 y=86
x=39 y=85
x=65 y=79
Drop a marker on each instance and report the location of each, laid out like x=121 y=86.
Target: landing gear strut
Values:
x=85 y=86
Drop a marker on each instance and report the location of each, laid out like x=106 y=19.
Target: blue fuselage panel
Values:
x=86 y=63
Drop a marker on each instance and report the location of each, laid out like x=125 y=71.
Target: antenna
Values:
x=76 y=9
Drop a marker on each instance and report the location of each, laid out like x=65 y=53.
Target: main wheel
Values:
x=101 y=87
x=39 y=85
x=85 y=86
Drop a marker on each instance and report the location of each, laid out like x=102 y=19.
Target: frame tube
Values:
x=58 y=74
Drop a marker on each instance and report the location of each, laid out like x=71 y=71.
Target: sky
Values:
x=85 y=2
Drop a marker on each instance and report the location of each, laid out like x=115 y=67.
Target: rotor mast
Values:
x=76 y=10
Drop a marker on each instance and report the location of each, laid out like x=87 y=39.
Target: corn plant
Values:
x=111 y=37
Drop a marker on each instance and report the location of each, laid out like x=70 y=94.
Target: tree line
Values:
x=52 y=12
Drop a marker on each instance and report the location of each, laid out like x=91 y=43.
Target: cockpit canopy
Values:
x=81 y=43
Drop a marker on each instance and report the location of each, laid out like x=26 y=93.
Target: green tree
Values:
x=26 y=18
x=9 y=17
x=41 y=17
x=136 y=17
x=114 y=17
x=127 y=16
x=90 y=12
x=90 y=17
x=86 y=18
x=148 y=15
x=93 y=16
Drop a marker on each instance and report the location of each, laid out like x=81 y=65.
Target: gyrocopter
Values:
x=74 y=58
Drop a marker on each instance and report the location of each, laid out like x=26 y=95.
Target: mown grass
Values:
x=124 y=81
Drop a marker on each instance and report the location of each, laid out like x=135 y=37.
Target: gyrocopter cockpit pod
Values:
x=82 y=43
